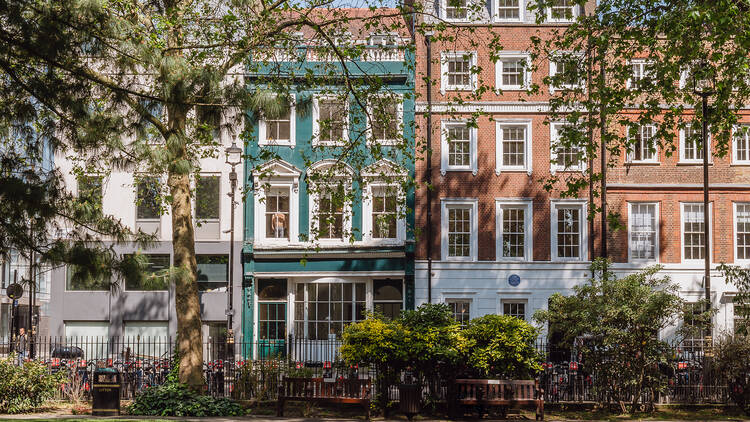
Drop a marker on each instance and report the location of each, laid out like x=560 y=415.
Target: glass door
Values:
x=272 y=329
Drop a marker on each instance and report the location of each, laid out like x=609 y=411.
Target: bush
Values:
x=24 y=389
x=175 y=399
x=500 y=346
x=732 y=364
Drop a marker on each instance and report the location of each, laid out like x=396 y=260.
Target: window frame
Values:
x=499 y=146
x=556 y=167
x=656 y=232
x=262 y=130
x=195 y=199
x=645 y=73
x=735 y=233
x=629 y=157
x=553 y=71
x=399 y=99
x=682 y=231
x=528 y=207
x=444 y=12
x=166 y=282
x=466 y=203
x=497 y=19
x=445 y=57
x=735 y=130
x=306 y=301
x=138 y=180
x=445 y=147
x=367 y=211
x=523 y=302
x=314 y=200
x=284 y=175
x=555 y=206
x=448 y=301
x=526 y=75
x=683 y=144
x=576 y=13
x=316 y=141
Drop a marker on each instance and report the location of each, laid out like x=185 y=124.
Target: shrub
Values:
x=24 y=389
x=174 y=399
x=732 y=364
x=500 y=346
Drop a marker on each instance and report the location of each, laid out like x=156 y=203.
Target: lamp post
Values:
x=704 y=87
x=233 y=158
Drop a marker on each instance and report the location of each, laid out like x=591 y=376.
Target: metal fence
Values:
x=253 y=370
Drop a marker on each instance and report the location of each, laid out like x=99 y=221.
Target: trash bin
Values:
x=106 y=392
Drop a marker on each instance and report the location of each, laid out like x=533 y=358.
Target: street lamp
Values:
x=704 y=87
x=233 y=158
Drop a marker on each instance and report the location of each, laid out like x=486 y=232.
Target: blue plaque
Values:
x=514 y=280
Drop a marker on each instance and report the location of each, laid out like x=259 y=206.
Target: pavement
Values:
x=71 y=418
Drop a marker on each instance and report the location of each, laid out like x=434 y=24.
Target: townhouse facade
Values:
x=312 y=265
x=84 y=309
x=495 y=241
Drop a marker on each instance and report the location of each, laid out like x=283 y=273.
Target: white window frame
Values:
x=656 y=234
x=262 y=131
x=682 y=231
x=576 y=13
x=453 y=299
x=525 y=303
x=367 y=228
x=735 y=245
x=444 y=12
x=316 y=124
x=346 y=219
x=643 y=64
x=522 y=56
x=497 y=19
x=282 y=175
x=521 y=203
x=683 y=159
x=630 y=156
x=555 y=206
x=553 y=71
x=734 y=144
x=555 y=167
x=445 y=56
x=528 y=151
x=444 y=148
x=399 y=99
x=472 y=204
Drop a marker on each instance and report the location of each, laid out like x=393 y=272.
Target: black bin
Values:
x=106 y=392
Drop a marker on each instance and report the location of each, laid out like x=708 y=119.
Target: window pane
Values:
x=331 y=119
x=460 y=310
x=514 y=146
x=456 y=9
x=459 y=146
x=507 y=9
x=154 y=277
x=148 y=198
x=458 y=73
x=643 y=231
x=272 y=289
x=90 y=191
x=459 y=232
x=743 y=231
x=80 y=279
x=384 y=213
x=693 y=231
x=385 y=119
x=387 y=289
x=279 y=129
x=277 y=213
x=213 y=271
x=513 y=232
x=207 y=193
x=568 y=232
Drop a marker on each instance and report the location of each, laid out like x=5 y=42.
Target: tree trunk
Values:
x=187 y=302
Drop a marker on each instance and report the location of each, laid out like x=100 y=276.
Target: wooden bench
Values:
x=354 y=391
x=500 y=393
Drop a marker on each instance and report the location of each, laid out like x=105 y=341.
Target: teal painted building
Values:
x=307 y=276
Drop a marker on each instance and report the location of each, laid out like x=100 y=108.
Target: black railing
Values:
x=253 y=370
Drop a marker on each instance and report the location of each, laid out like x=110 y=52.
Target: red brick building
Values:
x=492 y=239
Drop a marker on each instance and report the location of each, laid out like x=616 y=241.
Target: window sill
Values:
x=692 y=163
x=643 y=163
x=289 y=144
x=740 y=164
x=458 y=89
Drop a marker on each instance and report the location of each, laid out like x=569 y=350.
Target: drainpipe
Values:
x=428 y=179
